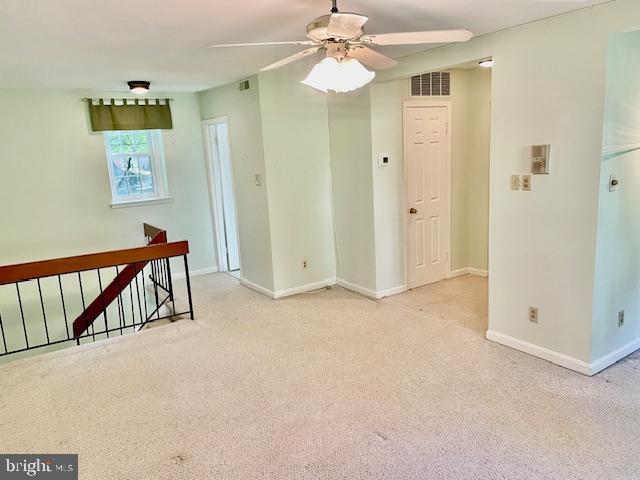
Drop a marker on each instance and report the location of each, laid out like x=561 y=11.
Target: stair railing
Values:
x=129 y=287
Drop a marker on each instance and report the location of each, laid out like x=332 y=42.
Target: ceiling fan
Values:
x=341 y=35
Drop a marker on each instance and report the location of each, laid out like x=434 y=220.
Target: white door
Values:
x=427 y=163
x=223 y=195
x=228 y=197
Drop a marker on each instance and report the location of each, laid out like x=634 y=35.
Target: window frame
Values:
x=157 y=164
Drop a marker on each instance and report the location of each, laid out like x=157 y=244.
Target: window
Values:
x=136 y=166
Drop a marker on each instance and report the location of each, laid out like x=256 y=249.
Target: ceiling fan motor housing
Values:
x=337 y=50
x=318 y=29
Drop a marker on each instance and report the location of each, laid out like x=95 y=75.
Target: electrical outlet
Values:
x=515 y=182
x=533 y=314
x=305 y=264
x=613 y=183
x=526 y=183
x=259 y=182
x=621 y=318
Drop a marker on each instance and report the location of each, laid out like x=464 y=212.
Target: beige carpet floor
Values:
x=327 y=385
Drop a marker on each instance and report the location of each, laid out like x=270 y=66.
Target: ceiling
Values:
x=72 y=44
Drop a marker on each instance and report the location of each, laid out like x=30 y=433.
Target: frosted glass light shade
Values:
x=331 y=75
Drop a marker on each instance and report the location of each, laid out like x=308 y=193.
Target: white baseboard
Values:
x=195 y=273
x=357 y=288
x=290 y=291
x=541 y=352
x=615 y=356
x=257 y=288
x=458 y=273
x=305 y=288
x=565 y=360
x=468 y=271
x=478 y=272
x=392 y=291
x=376 y=295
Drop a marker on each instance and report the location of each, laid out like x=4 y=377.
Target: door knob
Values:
x=413 y=211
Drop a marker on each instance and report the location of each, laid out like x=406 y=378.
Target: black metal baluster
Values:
x=106 y=321
x=155 y=289
x=186 y=272
x=138 y=297
x=84 y=307
x=4 y=340
x=163 y=274
x=144 y=293
x=166 y=275
x=64 y=308
x=24 y=325
x=44 y=315
x=133 y=312
x=173 y=300
x=121 y=315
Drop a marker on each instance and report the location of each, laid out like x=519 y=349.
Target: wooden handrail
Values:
x=60 y=266
x=151 y=231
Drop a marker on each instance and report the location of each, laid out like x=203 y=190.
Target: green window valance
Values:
x=140 y=115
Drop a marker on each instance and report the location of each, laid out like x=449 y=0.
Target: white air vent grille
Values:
x=431 y=84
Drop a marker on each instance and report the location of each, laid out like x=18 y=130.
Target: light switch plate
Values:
x=384 y=160
x=259 y=182
x=515 y=182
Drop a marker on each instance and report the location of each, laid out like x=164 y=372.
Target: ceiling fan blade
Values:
x=346 y=25
x=371 y=58
x=260 y=44
x=291 y=59
x=416 y=38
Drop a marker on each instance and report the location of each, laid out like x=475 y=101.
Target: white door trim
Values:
x=425 y=103
x=215 y=192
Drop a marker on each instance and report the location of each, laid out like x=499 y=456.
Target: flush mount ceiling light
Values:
x=139 y=86
x=486 y=63
x=342 y=36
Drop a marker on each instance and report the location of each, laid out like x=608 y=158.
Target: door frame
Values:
x=425 y=103
x=214 y=181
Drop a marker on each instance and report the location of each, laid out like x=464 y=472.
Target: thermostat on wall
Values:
x=540 y=159
x=384 y=160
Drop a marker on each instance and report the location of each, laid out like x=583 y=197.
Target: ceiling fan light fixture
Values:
x=488 y=63
x=331 y=75
x=139 y=87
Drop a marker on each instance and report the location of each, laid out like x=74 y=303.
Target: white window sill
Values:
x=142 y=203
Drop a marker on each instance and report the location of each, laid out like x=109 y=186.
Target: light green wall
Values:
x=242 y=108
x=460 y=148
x=295 y=126
x=547 y=87
x=470 y=135
x=352 y=176
x=477 y=172
x=54 y=187
x=388 y=182
x=618 y=252
x=55 y=201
